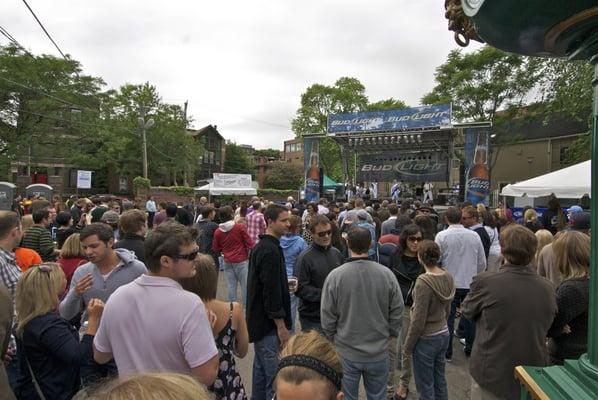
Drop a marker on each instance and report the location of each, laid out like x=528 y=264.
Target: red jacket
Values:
x=233 y=241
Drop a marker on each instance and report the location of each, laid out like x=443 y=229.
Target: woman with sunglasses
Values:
x=51 y=353
x=309 y=368
x=406 y=267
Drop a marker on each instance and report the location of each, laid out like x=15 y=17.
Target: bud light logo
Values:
x=479 y=186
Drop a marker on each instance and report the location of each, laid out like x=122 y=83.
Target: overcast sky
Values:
x=243 y=65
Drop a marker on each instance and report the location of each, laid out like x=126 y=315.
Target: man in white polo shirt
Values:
x=152 y=324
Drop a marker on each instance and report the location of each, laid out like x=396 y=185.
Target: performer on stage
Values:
x=428 y=186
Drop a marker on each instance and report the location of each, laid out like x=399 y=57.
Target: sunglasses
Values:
x=415 y=239
x=44 y=268
x=189 y=257
x=325 y=233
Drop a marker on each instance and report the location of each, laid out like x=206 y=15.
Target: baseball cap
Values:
x=110 y=217
x=574 y=210
x=581 y=221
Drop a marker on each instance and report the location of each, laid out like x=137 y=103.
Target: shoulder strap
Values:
x=35 y=383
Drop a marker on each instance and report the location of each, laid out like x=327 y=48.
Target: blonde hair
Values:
x=72 y=247
x=37 y=293
x=572 y=253
x=150 y=386
x=315 y=345
x=544 y=237
x=530 y=215
x=26 y=222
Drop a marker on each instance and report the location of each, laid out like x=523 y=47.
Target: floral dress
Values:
x=228 y=385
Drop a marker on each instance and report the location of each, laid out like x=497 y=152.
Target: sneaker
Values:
x=449 y=360
x=462 y=341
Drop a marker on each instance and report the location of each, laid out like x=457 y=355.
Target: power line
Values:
x=44 y=29
x=11 y=38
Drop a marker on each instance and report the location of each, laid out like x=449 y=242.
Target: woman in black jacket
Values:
x=50 y=354
x=406 y=267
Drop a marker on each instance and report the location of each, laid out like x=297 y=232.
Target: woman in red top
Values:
x=72 y=256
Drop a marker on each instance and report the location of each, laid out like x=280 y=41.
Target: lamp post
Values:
x=143 y=125
x=546 y=28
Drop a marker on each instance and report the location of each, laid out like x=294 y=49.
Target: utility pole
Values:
x=143 y=125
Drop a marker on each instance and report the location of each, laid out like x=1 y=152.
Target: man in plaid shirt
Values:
x=10 y=238
x=256 y=224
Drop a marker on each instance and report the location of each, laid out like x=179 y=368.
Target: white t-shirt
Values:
x=153 y=325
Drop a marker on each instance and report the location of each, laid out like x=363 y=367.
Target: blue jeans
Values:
x=468 y=326
x=307 y=325
x=375 y=376
x=236 y=273
x=428 y=367
x=265 y=364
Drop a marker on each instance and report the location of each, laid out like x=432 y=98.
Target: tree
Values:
x=347 y=95
x=283 y=176
x=235 y=159
x=388 y=104
x=268 y=153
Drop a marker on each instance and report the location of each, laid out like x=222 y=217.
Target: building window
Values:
x=564 y=156
x=298 y=146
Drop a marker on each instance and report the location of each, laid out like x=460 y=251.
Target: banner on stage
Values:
x=409 y=166
x=393 y=120
x=477 y=183
x=311 y=165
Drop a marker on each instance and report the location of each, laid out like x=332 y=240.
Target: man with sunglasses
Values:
x=311 y=268
x=153 y=324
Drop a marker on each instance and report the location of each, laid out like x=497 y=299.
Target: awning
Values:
x=568 y=183
x=214 y=191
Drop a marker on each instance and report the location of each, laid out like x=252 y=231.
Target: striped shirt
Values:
x=39 y=238
x=9 y=271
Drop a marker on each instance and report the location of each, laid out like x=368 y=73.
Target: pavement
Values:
x=457 y=372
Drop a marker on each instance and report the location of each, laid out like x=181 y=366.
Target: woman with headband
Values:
x=309 y=369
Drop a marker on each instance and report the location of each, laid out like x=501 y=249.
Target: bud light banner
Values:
x=477 y=181
x=406 y=166
x=311 y=162
x=394 y=120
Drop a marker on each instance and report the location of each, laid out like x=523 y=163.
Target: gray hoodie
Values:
x=125 y=272
x=432 y=297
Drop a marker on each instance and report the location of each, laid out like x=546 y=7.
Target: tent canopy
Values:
x=330 y=184
x=569 y=183
x=214 y=191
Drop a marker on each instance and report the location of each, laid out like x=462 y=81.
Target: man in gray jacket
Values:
x=107 y=270
x=361 y=310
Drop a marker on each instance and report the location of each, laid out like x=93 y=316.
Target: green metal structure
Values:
x=546 y=28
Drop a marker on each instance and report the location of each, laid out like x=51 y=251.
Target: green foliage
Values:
x=182 y=190
x=275 y=192
x=580 y=150
x=269 y=153
x=283 y=176
x=318 y=101
x=60 y=115
x=140 y=181
x=480 y=83
x=236 y=160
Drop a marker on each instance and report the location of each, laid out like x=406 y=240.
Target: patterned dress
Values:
x=228 y=385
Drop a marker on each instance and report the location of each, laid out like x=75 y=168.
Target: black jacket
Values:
x=406 y=270
x=267 y=289
x=133 y=243
x=52 y=347
x=486 y=242
x=311 y=268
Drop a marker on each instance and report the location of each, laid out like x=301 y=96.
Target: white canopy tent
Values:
x=572 y=182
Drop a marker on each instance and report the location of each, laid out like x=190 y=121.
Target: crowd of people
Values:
x=103 y=300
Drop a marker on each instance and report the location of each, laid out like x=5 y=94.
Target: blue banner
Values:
x=393 y=120
x=311 y=163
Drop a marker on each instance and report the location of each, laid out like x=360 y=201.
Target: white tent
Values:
x=568 y=183
x=217 y=191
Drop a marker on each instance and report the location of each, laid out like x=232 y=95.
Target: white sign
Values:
x=83 y=179
x=233 y=181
